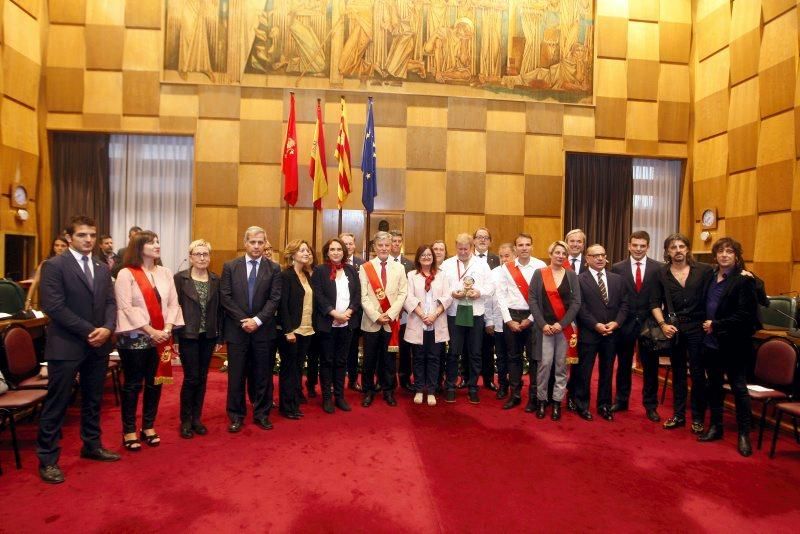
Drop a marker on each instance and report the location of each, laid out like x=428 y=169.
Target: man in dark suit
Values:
x=107 y=254
x=604 y=308
x=251 y=291
x=640 y=274
x=481 y=240
x=404 y=357
x=576 y=241
x=356 y=261
x=77 y=294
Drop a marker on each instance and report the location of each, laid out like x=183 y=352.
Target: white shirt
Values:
x=250 y=266
x=509 y=296
x=578 y=267
x=484 y=259
x=342 y=296
x=605 y=279
x=456 y=271
x=493 y=317
x=79 y=258
x=642 y=264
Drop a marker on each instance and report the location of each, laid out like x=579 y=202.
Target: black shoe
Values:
x=199 y=429
x=697 y=428
x=378 y=388
x=556 y=415
x=511 y=402
x=619 y=407
x=473 y=397
x=606 y=413
x=674 y=422
x=100 y=454
x=490 y=386
x=342 y=405
x=502 y=392
x=530 y=407
x=289 y=415
x=408 y=387
x=263 y=423
x=540 y=411
x=368 y=398
x=586 y=415
x=186 y=431
x=745 y=449
x=298 y=413
x=327 y=405
x=389 y=398
x=51 y=474
x=235 y=426
x=713 y=433
x=652 y=414
x=354 y=385
x=450 y=396
x=571 y=405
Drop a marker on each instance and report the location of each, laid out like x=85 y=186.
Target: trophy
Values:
x=464 y=315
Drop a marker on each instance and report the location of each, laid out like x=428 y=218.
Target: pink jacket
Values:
x=416 y=295
x=131 y=309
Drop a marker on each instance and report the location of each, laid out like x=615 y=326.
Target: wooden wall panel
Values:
x=421 y=228
x=778 y=64
x=426 y=191
x=745 y=40
x=769 y=226
x=544 y=230
x=713 y=26
x=505 y=194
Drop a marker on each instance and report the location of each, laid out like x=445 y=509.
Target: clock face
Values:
x=20 y=195
x=709 y=218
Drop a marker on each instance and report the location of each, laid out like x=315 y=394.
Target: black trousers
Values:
x=466 y=340
x=404 y=367
x=717 y=364
x=689 y=350
x=290 y=373
x=426 y=362
x=625 y=349
x=602 y=349
x=333 y=362
x=376 y=345
x=250 y=367
x=352 y=356
x=501 y=354
x=139 y=367
x=516 y=344
x=195 y=359
x=487 y=359
x=312 y=369
x=59 y=390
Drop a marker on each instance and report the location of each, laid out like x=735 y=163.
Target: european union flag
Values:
x=369 y=163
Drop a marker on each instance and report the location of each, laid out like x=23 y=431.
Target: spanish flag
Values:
x=342 y=155
x=317 y=167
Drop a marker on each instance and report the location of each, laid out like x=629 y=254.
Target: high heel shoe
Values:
x=133 y=445
x=153 y=440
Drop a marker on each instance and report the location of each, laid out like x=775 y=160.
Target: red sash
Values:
x=164 y=350
x=557 y=304
x=516 y=275
x=383 y=300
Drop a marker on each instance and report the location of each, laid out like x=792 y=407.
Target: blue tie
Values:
x=251 y=282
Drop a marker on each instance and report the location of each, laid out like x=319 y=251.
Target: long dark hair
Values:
x=685 y=240
x=133 y=254
x=59 y=238
x=728 y=242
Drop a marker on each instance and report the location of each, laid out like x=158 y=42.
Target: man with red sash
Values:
x=384 y=287
x=512 y=296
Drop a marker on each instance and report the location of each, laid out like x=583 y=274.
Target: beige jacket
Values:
x=396 y=290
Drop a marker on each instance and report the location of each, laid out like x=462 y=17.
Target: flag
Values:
x=317 y=169
x=369 y=165
x=289 y=163
x=342 y=155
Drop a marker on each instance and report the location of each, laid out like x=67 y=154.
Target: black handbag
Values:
x=652 y=338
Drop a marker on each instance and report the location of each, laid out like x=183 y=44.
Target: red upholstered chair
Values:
x=13 y=402
x=776 y=362
x=22 y=364
x=791 y=408
x=666 y=363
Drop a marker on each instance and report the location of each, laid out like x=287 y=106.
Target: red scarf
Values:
x=428 y=279
x=335 y=267
x=164 y=350
x=570 y=333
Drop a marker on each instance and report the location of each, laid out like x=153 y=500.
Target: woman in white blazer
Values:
x=426 y=331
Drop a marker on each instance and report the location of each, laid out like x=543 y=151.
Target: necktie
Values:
x=251 y=282
x=638 y=276
x=574 y=261
x=481 y=255
x=87 y=271
x=602 y=286
x=383 y=273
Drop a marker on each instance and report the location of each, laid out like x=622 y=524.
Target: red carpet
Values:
x=451 y=468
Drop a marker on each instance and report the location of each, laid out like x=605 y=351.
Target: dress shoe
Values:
x=698 y=428
x=186 y=431
x=368 y=398
x=540 y=411
x=530 y=407
x=342 y=404
x=235 y=426
x=606 y=413
x=51 y=474
x=327 y=405
x=653 y=415
x=418 y=398
x=290 y=415
x=199 y=429
x=100 y=454
x=490 y=386
x=502 y=392
x=450 y=396
x=263 y=423
x=378 y=388
x=674 y=422
x=745 y=449
x=473 y=397
x=511 y=402
x=556 y=415
x=586 y=415
x=571 y=407
x=713 y=433
x=619 y=407
x=354 y=385
x=389 y=398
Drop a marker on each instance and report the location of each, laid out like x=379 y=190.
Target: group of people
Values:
x=436 y=324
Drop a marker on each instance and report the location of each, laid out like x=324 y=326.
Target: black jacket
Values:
x=233 y=296
x=594 y=310
x=736 y=318
x=325 y=297
x=190 y=304
x=638 y=303
x=290 y=311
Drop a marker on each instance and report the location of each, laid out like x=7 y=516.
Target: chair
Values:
x=791 y=408
x=21 y=357
x=13 y=402
x=776 y=361
x=114 y=369
x=664 y=361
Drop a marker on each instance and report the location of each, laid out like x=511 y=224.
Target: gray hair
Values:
x=254 y=230
x=381 y=236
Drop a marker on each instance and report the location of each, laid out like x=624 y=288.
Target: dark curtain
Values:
x=599 y=200
x=80 y=169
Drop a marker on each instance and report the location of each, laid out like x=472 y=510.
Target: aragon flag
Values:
x=342 y=155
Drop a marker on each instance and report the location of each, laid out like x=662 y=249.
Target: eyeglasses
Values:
x=596 y=255
x=482 y=237
x=201 y=255
x=428 y=256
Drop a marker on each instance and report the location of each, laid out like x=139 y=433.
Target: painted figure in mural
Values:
x=405 y=53
x=304 y=20
x=491 y=58
x=452 y=51
x=197 y=25
x=360 y=26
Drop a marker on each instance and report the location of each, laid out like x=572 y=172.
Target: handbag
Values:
x=652 y=338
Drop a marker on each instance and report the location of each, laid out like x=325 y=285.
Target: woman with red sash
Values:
x=147 y=310
x=554 y=299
